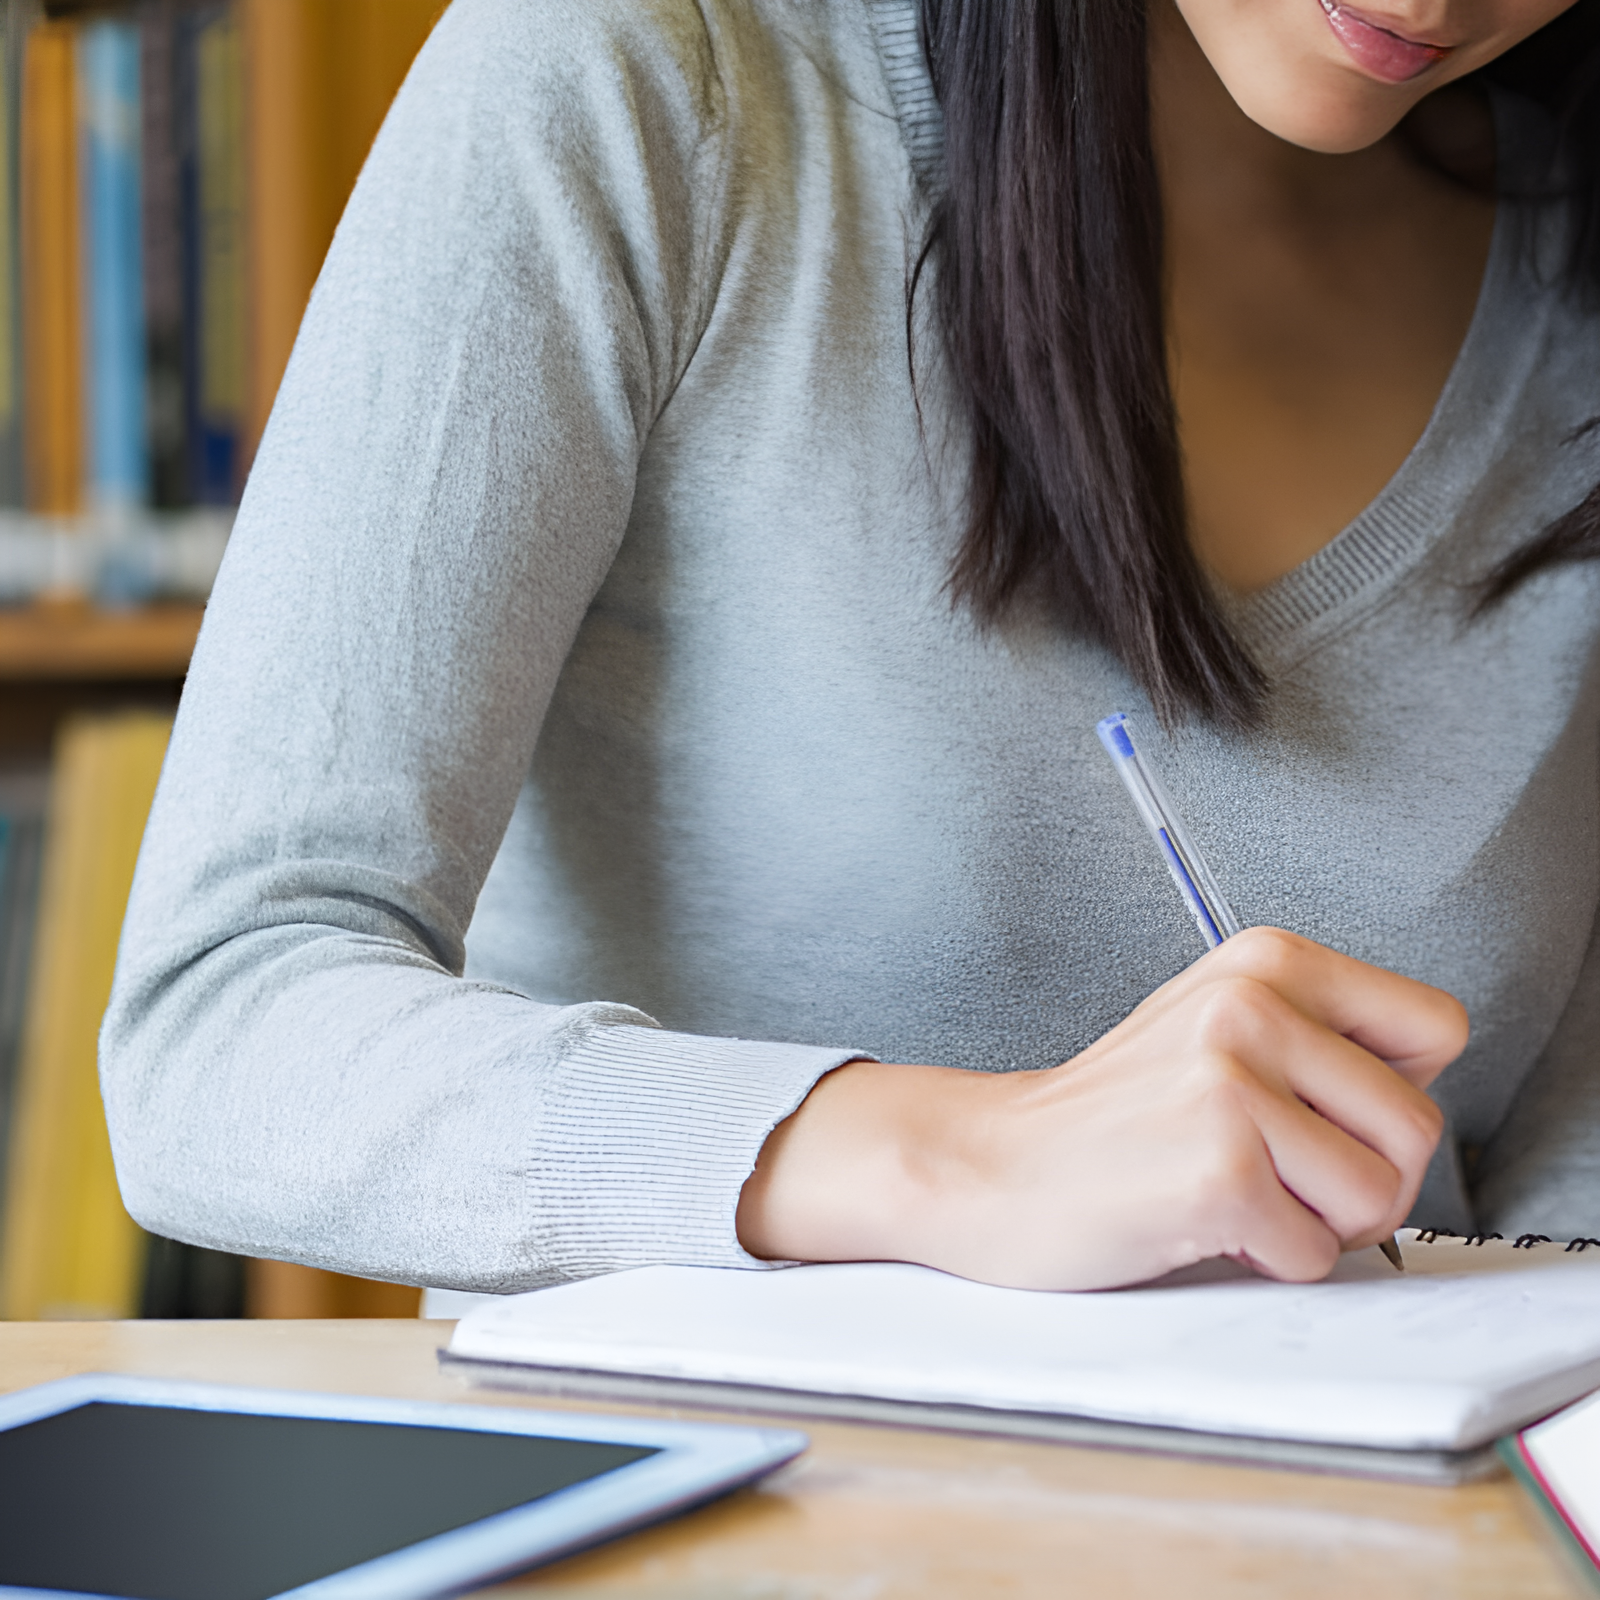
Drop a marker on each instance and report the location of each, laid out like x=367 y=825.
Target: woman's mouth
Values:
x=1378 y=50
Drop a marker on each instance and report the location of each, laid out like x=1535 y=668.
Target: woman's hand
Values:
x=1266 y=1104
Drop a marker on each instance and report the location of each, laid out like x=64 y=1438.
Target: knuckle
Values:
x=1421 y=1129
x=1224 y=1177
x=1320 y=1254
x=1429 y=1120
x=1367 y=1209
x=1267 y=953
x=1456 y=1027
x=1233 y=1006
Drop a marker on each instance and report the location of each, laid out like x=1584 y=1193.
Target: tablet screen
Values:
x=166 y=1503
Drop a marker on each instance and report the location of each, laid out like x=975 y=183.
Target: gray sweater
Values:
x=581 y=756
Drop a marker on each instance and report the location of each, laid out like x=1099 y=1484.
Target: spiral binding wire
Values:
x=1523 y=1241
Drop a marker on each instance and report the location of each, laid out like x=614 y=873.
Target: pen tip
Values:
x=1391 y=1253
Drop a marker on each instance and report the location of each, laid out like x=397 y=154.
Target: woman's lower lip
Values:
x=1385 y=55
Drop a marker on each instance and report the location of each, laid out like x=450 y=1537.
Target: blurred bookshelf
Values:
x=73 y=643
x=171 y=174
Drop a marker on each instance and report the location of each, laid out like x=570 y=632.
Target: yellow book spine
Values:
x=286 y=111
x=69 y=1247
x=10 y=361
x=53 y=356
x=320 y=76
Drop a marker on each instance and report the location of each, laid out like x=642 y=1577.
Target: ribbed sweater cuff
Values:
x=647 y=1138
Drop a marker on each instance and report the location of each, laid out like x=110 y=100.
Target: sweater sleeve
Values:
x=292 y=1063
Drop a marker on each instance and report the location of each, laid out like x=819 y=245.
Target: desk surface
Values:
x=889 y=1514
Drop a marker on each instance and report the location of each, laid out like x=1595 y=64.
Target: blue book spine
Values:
x=210 y=112
x=113 y=271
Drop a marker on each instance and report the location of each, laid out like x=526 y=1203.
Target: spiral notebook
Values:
x=1407 y=1375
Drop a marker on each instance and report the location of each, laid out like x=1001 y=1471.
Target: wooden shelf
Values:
x=80 y=642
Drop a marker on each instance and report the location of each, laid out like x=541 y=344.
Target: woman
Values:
x=728 y=467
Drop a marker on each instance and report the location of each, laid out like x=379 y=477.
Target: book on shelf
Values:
x=22 y=802
x=69 y=1248
x=48 y=218
x=171 y=174
x=210 y=80
x=12 y=29
x=160 y=243
x=69 y=839
x=319 y=78
x=118 y=462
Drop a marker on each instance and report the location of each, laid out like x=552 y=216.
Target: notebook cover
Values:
x=1442 y=1467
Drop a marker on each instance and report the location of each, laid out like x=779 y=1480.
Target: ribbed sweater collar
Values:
x=1420 y=505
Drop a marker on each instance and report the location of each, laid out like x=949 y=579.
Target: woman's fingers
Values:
x=1416 y=1029
x=1360 y=1099
x=1297 y=1076
x=1274 y=1231
x=1349 y=1137
x=1272 y=1182
x=1359 y=1194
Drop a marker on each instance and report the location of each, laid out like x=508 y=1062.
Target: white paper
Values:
x=1469 y=1342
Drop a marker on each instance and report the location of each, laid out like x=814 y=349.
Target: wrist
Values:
x=867 y=1166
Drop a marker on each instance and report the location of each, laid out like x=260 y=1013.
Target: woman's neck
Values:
x=1316 y=304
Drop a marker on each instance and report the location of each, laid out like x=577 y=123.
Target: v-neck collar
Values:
x=1419 y=505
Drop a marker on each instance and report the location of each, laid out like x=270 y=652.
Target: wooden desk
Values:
x=884 y=1514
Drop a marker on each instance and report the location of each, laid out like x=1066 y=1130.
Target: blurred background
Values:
x=171 y=174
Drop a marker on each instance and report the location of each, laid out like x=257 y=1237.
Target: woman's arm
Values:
x=292 y=1062
x=1266 y=1104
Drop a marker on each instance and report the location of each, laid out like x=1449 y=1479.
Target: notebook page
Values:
x=1468 y=1342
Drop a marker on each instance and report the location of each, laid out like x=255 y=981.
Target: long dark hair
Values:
x=1047 y=238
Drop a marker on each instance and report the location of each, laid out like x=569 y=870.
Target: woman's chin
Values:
x=1289 y=73
x=1333 y=119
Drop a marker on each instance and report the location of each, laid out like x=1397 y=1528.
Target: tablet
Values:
x=139 y=1489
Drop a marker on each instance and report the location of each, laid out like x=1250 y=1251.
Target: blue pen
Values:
x=1206 y=902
